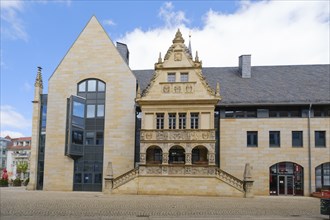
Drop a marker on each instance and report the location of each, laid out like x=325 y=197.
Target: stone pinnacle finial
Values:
x=217 y=92
x=160 y=57
x=178 y=37
x=138 y=93
x=196 y=57
x=38 y=82
x=190 y=51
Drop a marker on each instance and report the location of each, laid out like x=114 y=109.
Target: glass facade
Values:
x=42 y=143
x=87 y=134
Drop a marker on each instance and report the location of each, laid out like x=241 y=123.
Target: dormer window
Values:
x=170 y=77
x=184 y=77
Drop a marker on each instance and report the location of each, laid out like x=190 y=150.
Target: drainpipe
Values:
x=309 y=151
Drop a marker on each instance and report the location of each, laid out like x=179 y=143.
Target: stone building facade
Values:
x=180 y=128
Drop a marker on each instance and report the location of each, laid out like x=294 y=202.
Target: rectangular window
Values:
x=89 y=138
x=297 y=138
x=159 y=120
x=100 y=111
x=319 y=138
x=184 y=77
x=252 y=138
x=78 y=109
x=91 y=86
x=101 y=86
x=90 y=111
x=274 y=139
x=194 y=120
x=77 y=137
x=99 y=138
x=182 y=120
x=171 y=120
x=82 y=87
x=170 y=77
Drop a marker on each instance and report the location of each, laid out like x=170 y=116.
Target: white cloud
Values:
x=13 y=28
x=109 y=22
x=170 y=17
x=273 y=32
x=10 y=118
x=12 y=134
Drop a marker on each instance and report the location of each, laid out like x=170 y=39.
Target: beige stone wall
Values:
x=93 y=55
x=234 y=152
x=173 y=185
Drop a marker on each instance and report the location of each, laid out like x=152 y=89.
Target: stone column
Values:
x=165 y=158
x=35 y=137
x=248 y=181
x=188 y=158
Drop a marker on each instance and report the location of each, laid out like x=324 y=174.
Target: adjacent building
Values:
x=4 y=142
x=18 y=158
x=179 y=128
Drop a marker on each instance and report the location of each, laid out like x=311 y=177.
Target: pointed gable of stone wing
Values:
x=178 y=61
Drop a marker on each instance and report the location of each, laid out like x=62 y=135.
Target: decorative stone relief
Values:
x=211 y=158
x=154 y=170
x=165 y=158
x=142 y=170
x=177 y=89
x=177 y=56
x=160 y=135
x=142 y=158
x=148 y=135
x=176 y=170
x=188 y=89
x=164 y=170
x=188 y=170
x=205 y=135
x=166 y=89
x=188 y=158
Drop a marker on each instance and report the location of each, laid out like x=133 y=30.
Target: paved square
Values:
x=17 y=203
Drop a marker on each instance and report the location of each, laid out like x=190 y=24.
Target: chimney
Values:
x=123 y=50
x=244 y=65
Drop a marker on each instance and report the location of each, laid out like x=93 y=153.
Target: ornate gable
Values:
x=178 y=77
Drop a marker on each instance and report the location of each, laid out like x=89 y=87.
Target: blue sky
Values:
x=39 y=33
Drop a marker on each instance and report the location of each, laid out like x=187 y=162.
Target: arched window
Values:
x=322 y=177
x=199 y=155
x=154 y=155
x=177 y=155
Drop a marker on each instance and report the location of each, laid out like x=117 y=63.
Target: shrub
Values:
x=17 y=182
x=3 y=183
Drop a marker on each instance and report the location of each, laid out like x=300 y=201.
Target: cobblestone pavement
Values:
x=17 y=203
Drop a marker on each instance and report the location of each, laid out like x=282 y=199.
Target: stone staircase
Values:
x=124 y=178
x=229 y=179
x=218 y=173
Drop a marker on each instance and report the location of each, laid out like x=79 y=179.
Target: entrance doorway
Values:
x=285 y=185
x=286 y=178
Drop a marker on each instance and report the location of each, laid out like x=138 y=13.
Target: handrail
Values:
x=230 y=179
x=124 y=178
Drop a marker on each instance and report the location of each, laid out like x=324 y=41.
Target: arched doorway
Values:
x=286 y=178
x=154 y=155
x=199 y=155
x=322 y=177
x=177 y=155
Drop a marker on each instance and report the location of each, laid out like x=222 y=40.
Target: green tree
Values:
x=22 y=167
